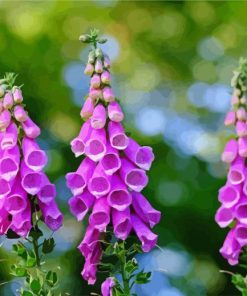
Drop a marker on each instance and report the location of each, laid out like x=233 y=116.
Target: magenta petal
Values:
x=5 y=220
x=241 y=212
x=108 y=94
x=52 y=216
x=115 y=112
x=47 y=192
x=241 y=114
x=21 y=222
x=9 y=139
x=134 y=178
x=119 y=198
x=87 y=109
x=229 y=195
x=118 y=139
x=121 y=223
x=241 y=234
x=8 y=100
x=106 y=287
x=17 y=94
x=9 y=163
x=230 y=118
x=242 y=147
x=230 y=151
x=224 y=216
x=99 y=184
x=34 y=157
x=236 y=172
x=144 y=209
x=31 y=130
x=241 y=128
x=78 y=144
x=106 y=77
x=145 y=235
x=98 y=119
x=100 y=216
x=5 y=188
x=111 y=161
x=95 y=147
x=231 y=248
x=20 y=114
x=91 y=238
x=80 y=204
x=95 y=81
x=5 y=119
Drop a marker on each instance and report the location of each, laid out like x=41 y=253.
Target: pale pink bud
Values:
x=8 y=100
x=18 y=98
x=230 y=118
x=106 y=77
x=98 y=66
x=20 y=114
x=108 y=94
x=89 y=69
x=5 y=118
x=241 y=114
x=95 y=81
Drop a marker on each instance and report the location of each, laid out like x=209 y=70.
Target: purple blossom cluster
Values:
x=109 y=181
x=21 y=169
x=233 y=195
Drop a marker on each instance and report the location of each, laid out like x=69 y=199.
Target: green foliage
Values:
x=240 y=283
x=48 y=245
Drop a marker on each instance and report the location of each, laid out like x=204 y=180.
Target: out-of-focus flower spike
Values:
x=242 y=147
x=89 y=69
x=106 y=287
x=98 y=119
x=20 y=114
x=241 y=114
x=106 y=77
x=8 y=100
x=95 y=93
x=108 y=95
x=234 y=100
x=230 y=151
x=241 y=128
x=107 y=62
x=115 y=112
x=17 y=94
x=31 y=129
x=87 y=109
x=98 y=66
x=95 y=81
x=230 y=118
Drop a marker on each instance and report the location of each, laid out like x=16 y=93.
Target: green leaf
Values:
x=35 y=285
x=131 y=266
x=12 y=235
x=26 y=293
x=20 y=250
x=143 y=277
x=18 y=271
x=48 y=245
x=51 y=278
x=31 y=260
x=35 y=233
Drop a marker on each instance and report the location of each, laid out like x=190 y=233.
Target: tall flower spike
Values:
x=113 y=172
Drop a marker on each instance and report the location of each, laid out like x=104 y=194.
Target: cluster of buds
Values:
x=109 y=181
x=233 y=195
x=24 y=187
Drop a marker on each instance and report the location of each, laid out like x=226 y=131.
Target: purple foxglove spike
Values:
x=241 y=234
x=20 y=114
x=231 y=248
x=118 y=139
x=47 y=192
x=95 y=93
x=87 y=109
x=9 y=163
x=5 y=188
x=78 y=144
x=18 y=98
x=224 y=216
x=106 y=287
x=17 y=200
x=241 y=128
x=144 y=209
x=230 y=151
x=91 y=238
x=35 y=158
x=236 y=172
x=21 y=222
x=5 y=119
x=229 y=195
x=119 y=197
x=111 y=161
x=115 y=112
x=241 y=114
x=145 y=235
x=10 y=137
x=5 y=221
x=32 y=182
x=108 y=95
x=100 y=216
x=99 y=117
x=107 y=62
x=106 y=77
x=31 y=129
x=242 y=146
x=141 y=156
x=241 y=212
x=99 y=184
x=121 y=223
x=234 y=100
x=89 y=69
x=80 y=204
x=52 y=216
x=1 y=106
x=95 y=147
x=230 y=118
x=78 y=180
x=95 y=81
x=134 y=178
x=98 y=66
x=8 y=100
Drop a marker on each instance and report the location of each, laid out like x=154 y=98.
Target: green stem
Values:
x=36 y=251
x=125 y=277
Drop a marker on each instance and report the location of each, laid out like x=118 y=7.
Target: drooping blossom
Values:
x=106 y=287
x=107 y=184
x=22 y=178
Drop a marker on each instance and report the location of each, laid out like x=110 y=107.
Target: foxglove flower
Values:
x=109 y=180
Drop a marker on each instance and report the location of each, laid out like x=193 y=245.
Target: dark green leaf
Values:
x=143 y=277
x=48 y=245
x=12 y=235
x=35 y=233
x=35 y=285
x=131 y=266
x=51 y=278
x=26 y=293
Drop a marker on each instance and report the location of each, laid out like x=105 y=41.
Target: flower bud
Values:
x=17 y=95
x=241 y=114
x=91 y=57
x=2 y=91
x=235 y=100
x=106 y=77
x=98 y=66
x=20 y=114
x=95 y=81
x=107 y=62
x=8 y=100
x=85 y=38
x=5 y=118
x=108 y=94
x=98 y=53
x=95 y=94
x=89 y=69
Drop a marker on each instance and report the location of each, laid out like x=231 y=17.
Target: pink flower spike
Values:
x=242 y=146
x=119 y=198
x=106 y=77
x=20 y=114
x=95 y=81
x=141 y=156
x=98 y=66
x=78 y=144
x=5 y=119
x=145 y=235
x=241 y=128
x=241 y=114
x=230 y=151
x=231 y=248
x=241 y=212
x=118 y=139
x=134 y=178
x=95 y=93
x=5 y=188
x=91 y=238
x=35 y=158
x=52 y=216
x=95 y=147
x=234 y=100
x=18 y=98
x=10 y=136
x=121 y=223
x=241 y=234
x=224 y=216
x=111 y=161
x=87 y=109
x=8 y=100
x=106 y=287
x=115 y=112
x=80 y=204
x=47 y=192
x=99 y=184
x=98 y=119
x=9 y=163
x=230 y=118
x=108 y=95
x=100 y=216
x=229 y=195
x=31 y=130
x=89 y=69
x=236 y=172
x=144 y=210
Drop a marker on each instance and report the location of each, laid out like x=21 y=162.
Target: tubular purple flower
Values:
x=99 y=184
x=34 y=157
x=47 y=192
x=98 y=119
x=121 y=223
x=95 y=81
x=5 y=188
x=119 y=197
x=241 y=212
x=145 y=235
x=224 y=216
x=17 y=94
x=106 y=77
x=230 y=151
x=9 y=163
x=106 y=287
x=91 y=238
x=20 y=114
x=117 y=137
x=242 y=146
x=80 y=204
x=5 y=220
x=111 y=161
x=10 y=136
x=236 y=173
x=78 y=180
x=100 y=216
x=21 y=222
x=95 y=147
x=87 y=109
x=108 y=95
x=144 y=209
x=5 y=119
x=78 y=144
x=8 y=100
x=229 y=195
x=98 y=66
x=231 y=248
x=31 y=130
x=115 y=112
x=241 y=234
x=134 y=178
x=51 y=214
x=241 y=128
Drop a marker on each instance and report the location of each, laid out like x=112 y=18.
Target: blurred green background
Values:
x=172 y=64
